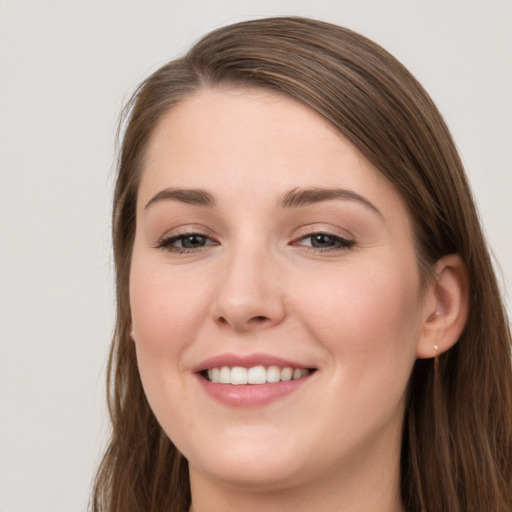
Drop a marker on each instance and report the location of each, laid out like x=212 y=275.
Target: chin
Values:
x=251 y=466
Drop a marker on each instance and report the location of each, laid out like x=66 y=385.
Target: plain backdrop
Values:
x=66 y=67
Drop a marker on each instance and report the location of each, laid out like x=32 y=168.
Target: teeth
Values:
x=238 y=375
x=297 y=374
x=255 y=375
x=273 y=374
x=286 y=374
x=225 y=375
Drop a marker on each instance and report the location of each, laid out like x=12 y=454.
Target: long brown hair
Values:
x=457 y=440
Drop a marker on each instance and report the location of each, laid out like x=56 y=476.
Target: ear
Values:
x=445 y=308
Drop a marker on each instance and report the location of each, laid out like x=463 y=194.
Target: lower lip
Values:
x=251 y=395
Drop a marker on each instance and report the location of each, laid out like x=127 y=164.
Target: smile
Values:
x=252 y=380
x=238 y=375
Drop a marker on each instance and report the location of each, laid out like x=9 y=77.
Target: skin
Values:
x=356 y=313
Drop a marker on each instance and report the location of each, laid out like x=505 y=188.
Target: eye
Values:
x=192 y=241
x=324 y=241
x=185 y=242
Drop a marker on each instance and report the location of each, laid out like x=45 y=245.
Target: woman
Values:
x=308 y=318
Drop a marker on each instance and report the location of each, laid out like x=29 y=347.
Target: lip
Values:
x=246 y=361
x=249 y=395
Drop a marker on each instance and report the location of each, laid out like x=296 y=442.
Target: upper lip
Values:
x=247 y=361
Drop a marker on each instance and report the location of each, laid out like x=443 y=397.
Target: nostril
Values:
x=258 y=319
x=254 y=321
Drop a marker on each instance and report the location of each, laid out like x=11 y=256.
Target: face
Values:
x=275 y=293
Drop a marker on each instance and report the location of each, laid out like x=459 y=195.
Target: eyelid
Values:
x=342 y=241
x=345 y=241
x=165 y=241
x=321 y=228
x=187 y=229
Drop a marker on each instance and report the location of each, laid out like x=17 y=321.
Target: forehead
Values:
x=256 y=122
x=254 y=143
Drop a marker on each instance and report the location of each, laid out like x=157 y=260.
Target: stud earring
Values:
x=436 y=347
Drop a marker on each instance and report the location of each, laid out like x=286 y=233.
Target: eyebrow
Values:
x=293 y=199
x=196 y=197
x=305 y=196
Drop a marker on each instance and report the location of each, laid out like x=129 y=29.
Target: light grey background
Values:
x=65 y=69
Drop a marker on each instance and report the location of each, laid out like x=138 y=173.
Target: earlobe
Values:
x=446 y=307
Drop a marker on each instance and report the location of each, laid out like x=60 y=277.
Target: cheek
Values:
x=368 y=321
x=164 y=306
x=371 y=310
x=165 y=312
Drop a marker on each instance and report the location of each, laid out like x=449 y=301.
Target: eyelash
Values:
x=167 y=243
x=339 y=243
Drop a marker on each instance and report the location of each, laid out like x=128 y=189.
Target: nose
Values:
x=250 y=295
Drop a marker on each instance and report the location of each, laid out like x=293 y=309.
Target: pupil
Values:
x=192 y=241
x=321 y=241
